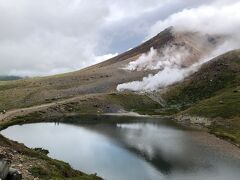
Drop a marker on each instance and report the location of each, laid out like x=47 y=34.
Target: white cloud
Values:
x=46 y=37
x=122 y=9
x=221 y=18
x=105 y=57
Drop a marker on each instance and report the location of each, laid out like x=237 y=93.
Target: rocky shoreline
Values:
x=206 y=124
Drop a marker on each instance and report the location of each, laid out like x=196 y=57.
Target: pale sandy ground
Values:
x=130 y=114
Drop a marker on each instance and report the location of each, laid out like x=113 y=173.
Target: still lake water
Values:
x=137 y=150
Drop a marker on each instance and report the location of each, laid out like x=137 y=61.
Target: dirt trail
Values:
x=24 y=111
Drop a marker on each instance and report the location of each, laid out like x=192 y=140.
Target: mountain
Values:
x=9 y=78
x=100 y=78
x=209 y=97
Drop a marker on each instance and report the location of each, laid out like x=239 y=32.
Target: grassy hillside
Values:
x=212 y=92
x=224 y=109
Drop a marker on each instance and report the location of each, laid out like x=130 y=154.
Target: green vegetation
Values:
x=228 y=130
x=224 y=110
x=224 y=104
x=44 y=172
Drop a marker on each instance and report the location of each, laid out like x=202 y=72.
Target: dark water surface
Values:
x=138 y=150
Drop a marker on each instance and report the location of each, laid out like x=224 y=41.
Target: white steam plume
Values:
x=171 y=56
x=162 y=79
x=169 y=61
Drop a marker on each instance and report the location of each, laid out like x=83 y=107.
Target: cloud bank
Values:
x=47 y=37
x=218 y=18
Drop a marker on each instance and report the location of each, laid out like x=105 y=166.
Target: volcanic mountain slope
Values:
x=103 y=77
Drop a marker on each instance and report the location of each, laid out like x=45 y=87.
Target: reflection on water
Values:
x=119 y=151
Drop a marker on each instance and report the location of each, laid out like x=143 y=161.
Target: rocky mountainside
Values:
x=103 y=77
